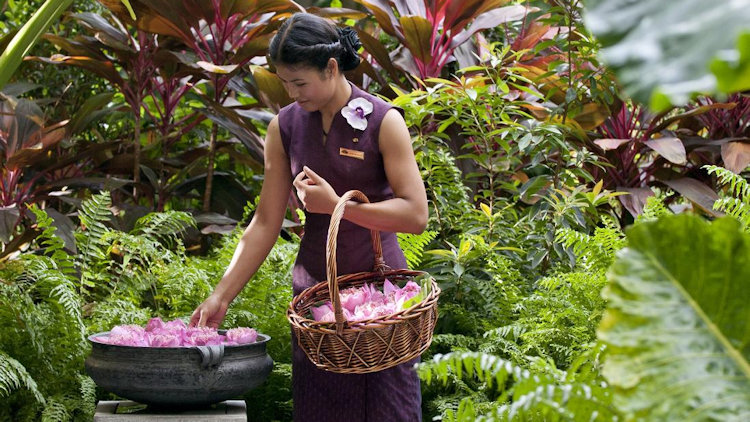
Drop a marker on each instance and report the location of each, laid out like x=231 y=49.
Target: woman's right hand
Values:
x=210 y=313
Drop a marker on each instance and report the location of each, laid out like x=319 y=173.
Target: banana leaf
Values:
x=677 y=325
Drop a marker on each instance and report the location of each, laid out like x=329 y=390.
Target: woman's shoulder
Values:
x=290 y=109
x=374 y=99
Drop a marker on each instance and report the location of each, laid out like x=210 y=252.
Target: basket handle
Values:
x=333 y=230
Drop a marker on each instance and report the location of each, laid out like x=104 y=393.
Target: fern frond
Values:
x=413 y=245
x=653 y=209
x=14 y=376
x=88 y=396
x=94 y=214
x=525 y=395
x=55 y=411
x=163 y=226
x=48 y=278
x=736 y=208
x=53 y=244
x=738 y=186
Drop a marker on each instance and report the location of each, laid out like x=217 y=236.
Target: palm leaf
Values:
x=677 y=321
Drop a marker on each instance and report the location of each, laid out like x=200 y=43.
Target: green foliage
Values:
x=675 y=326
x=42 y=334
x=736 y=201
x=28 y=35
x=124 y=278
x=414 y=245
x=621 y=27
x=13 y=376
x=515 y=393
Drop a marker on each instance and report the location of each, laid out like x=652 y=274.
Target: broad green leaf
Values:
x=676 y=326
x=661 y=49
x=734 y=77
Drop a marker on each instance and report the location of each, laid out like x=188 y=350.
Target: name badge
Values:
x=346 y=152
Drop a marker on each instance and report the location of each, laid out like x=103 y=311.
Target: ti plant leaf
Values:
x=676 y=326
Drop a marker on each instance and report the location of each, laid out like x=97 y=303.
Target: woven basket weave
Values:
x=358 y=347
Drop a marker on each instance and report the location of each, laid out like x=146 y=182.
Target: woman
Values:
x=332 y=139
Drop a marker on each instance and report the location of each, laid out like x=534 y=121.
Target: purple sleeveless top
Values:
x=302 y=137
x=392 y=395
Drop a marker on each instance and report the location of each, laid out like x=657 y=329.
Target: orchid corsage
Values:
x=355 y=113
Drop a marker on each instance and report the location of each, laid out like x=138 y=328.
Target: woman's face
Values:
x=311 y=88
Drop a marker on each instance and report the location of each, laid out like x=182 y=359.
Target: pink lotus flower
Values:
x=128 y=335
x=371 y=310
x=174 y=334
x=164 y=340
x=353 y=297
x=202 y=336
x=154 y=324
x=242 y=335
x=325 y=313
x=367 y=302
x=375 y=295
x=389 y=288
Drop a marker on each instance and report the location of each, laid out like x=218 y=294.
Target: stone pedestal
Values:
x=128 y=411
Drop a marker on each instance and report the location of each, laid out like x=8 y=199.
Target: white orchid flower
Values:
x=355 y=113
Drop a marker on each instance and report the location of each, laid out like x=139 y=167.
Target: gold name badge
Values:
x=346 y=152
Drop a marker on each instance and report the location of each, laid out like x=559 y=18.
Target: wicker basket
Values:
x=358 y=347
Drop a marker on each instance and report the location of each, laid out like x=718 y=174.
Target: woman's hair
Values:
x=307 y=39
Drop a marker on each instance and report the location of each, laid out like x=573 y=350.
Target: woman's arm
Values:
x=406 y=212
x=259 y=236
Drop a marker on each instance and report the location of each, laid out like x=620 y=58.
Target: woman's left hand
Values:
x=316 y=194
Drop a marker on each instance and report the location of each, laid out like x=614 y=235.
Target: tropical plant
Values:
x=641 y=148
x=222 y=38
x=29 y=172
x=558 y=53
x=510 y=392
x=729 y=126
x=125 y=60
x=42 y=342
x=621 y=27
x=429 y=32
x=23 y=40
x=675 y=349
x=736 y=201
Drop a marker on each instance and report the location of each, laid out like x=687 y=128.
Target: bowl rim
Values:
x=91 y=338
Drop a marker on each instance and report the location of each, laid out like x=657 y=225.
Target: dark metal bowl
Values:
x=179 y=376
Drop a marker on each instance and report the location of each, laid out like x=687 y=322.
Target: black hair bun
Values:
x=350 y=41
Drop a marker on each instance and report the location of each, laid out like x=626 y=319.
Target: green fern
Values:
x=56 y=411
x=736 y=201
x=521 y=394
x=596 y=251
x=87 y=400
x=163 y=226
x=654 y=209
x=94 y=215
x=413 y=245
x=13 y=376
